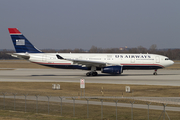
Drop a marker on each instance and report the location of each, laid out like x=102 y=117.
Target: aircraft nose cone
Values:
x=172 y=62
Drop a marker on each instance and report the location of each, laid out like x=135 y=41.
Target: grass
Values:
x=109 y=113
x=20 y=115
x=73 y=89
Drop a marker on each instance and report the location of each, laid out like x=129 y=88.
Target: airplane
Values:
x=106 y=63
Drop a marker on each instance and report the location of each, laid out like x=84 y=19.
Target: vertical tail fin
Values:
x=21 y=44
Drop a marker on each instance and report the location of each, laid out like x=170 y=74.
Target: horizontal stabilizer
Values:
x=25 y=56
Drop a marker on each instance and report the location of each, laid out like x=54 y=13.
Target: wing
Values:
x=87 y=62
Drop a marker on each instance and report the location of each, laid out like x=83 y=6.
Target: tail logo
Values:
x=20 y=42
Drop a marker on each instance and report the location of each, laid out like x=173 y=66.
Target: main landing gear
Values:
x=93 y=72
x=155 y=72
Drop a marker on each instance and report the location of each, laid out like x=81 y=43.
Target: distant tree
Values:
x=95 y=49
x=153 y=48
x=77 y=50
x=112 y=50
x=177 y=54
x=65 y=51
x=173 y=54
x=48 y=50
x=4 y=55
x=133 y=50
x=141 y=49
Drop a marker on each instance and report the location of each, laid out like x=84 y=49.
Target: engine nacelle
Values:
x=112 y=69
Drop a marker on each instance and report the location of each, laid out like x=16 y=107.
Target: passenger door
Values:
x=157 y=59
x=44 y=58
x=132 y=60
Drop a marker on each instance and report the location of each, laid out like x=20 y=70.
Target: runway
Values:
x=139 y=77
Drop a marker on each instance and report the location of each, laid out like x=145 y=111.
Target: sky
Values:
x=70 y=24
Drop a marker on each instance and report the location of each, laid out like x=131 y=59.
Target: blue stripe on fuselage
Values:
x=89 y=68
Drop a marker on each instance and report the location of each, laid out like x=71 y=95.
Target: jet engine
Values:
x=112 y=69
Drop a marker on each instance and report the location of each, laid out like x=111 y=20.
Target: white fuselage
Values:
x=127 y=61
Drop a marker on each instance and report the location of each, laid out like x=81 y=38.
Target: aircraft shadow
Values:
x=99 y=75
x=55 y=75
x=45 y=75
x=147 y=74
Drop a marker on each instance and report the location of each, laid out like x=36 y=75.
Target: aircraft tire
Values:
x=88 y=74
x=94 y=73
x=155 y=73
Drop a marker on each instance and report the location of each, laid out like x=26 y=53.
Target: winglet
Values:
x=59 y=57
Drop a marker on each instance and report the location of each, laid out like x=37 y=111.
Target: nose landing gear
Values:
x=155 y=72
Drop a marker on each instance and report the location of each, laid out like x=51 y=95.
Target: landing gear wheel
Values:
x=88 y=74
x=94 y=73
x=155 y=73
x=91 y=73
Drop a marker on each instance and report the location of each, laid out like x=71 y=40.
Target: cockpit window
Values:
x=166 y=58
